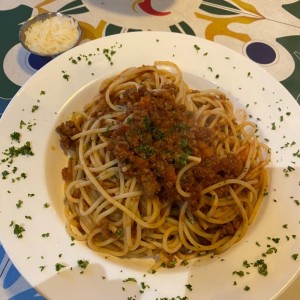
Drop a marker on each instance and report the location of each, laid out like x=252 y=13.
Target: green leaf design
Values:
x=182 y=28
x=222 y=3
x=74 y=7
x=293 y=8
x=291 y=44
x=219 y=7
x=115 y=29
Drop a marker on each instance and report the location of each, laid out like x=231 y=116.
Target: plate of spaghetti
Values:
x=170 y=174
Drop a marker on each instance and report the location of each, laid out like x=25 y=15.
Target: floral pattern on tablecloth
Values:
x=15 y=286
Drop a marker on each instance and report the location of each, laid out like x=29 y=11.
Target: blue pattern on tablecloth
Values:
x=3 y=105
x=14 y=285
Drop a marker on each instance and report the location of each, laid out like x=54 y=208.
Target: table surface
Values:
x=268 y=32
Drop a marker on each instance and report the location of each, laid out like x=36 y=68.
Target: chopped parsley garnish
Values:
x=15 y=136
x=271 y=250
x=109 y=53
x=82 y=263
x=185 y=262
x=65 y=75
x=239 y=273
x=172 y=263
x=59 y=266
x=182 y=159
x=288 y=170
x=246 y=264
x=34 y=108
x=197 y=47
x=19 y=203
x=276 y=240
x=28 y=125
x=148 y=124
x=119 y=232
x=297 y=153
x=46 y=234
x=23 y=175
x=246 y=288
x=181 y=127
x=22 y=123
x=130 y=279
x=273 y=126
x=42 y=268
x=129 y=120
x=144 y=286
x=18 y=230
x=261 y=267
x=144 y=148
x=107 y=129
x=13 y=151
x=295 y=256
x=189 y=287
x=4 y=174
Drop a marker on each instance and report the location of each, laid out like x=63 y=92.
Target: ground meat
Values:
x=66 y=174
x=231 y=227
x=156 y=140
x=66 y=131
x=104 y=233
x=230 y=165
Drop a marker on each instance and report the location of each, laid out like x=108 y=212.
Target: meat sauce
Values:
x=155 y=140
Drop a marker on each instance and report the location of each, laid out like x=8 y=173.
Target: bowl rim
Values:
x=42 y=17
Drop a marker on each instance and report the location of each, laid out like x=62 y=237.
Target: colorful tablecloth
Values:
x=268 y=32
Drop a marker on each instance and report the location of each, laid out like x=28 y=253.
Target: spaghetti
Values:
x=159 y=169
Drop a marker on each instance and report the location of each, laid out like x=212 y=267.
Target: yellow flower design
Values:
x=222 y=14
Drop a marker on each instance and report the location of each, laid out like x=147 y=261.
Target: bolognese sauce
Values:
x=155 y=140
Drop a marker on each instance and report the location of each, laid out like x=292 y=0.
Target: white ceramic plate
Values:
x=71 y=80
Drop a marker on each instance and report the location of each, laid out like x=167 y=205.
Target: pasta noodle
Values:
x=157 y=169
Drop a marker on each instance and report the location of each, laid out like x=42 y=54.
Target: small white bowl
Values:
x=42 y=46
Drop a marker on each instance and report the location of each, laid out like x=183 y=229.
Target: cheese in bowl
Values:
x=50 y=34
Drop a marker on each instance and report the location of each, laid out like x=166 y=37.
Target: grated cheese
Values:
x=52 y=36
